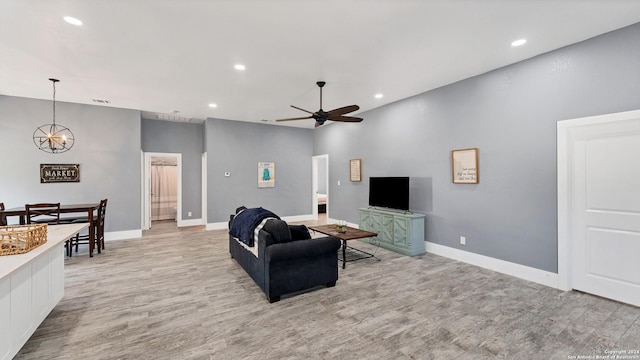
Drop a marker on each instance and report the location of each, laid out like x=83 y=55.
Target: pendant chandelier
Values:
x=53 y=138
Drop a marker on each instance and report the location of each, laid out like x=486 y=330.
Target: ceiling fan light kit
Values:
x=322 y=116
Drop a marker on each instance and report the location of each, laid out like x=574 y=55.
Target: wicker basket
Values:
x=19 y=239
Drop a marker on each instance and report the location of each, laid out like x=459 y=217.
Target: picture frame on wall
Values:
x=59 y=173
x=464 y=166
x=355 y=169
x=266 y=174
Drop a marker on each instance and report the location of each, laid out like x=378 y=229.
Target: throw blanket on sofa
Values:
x=245 y=222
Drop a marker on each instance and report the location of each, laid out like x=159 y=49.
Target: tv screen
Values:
x=389 y=192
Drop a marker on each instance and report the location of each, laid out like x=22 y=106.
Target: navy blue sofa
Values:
x=288 y=260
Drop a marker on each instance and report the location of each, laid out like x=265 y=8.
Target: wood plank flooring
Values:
x=176 y=294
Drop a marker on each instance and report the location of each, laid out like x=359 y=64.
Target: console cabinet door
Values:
x=400 y=231
x=386 y=231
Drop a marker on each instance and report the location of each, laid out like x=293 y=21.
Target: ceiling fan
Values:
x=321 y=116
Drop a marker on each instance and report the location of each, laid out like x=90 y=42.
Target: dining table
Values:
x=87 y=209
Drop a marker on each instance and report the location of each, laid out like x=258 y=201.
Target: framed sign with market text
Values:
x=59 y=173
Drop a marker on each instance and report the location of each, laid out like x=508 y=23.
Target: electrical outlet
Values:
x=463 y=240
x=189 y=214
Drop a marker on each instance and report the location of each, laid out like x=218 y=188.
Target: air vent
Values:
x=100 y=101
x=173 y=117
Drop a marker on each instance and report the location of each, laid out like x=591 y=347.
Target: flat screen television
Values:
x=389 y=192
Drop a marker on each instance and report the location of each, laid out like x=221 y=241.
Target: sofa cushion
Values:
x=278 y=229
x=299 y=232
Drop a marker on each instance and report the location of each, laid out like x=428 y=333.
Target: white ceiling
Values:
x=175 y=57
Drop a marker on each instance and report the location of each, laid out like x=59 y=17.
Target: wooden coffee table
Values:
x=348 y=233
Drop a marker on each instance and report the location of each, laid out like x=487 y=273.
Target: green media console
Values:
x=397 y=231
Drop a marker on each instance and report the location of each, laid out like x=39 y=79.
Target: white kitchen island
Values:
x=31 y=285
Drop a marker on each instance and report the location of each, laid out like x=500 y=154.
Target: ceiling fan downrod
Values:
x=320 y=85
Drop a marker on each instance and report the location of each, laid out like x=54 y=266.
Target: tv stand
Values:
x=399 y=232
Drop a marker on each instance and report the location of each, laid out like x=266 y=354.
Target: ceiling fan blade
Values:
x=296 y=118
x=307 y=111
x=343 y=110
x=346 y=119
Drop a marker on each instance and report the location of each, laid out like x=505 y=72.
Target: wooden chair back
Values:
x=43 y=213
x=3 y=218
x=102 y=212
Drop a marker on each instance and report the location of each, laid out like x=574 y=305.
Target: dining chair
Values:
x=102 y=213
x=98 y=222
x=3 y=218
x=43 y=213
x=46 y=213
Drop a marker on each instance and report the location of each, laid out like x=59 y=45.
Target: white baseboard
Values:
x=295 y=218
x=190 y=222
x=122 y=235
x=217 y=226
x=520 y=271
x=335 y=221
x=225 y=225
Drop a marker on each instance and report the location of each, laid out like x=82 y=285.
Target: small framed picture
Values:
x=266 y=174
x=464 y=166
x=355 y=170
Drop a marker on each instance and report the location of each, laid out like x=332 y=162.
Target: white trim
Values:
x=520 y=271
x=146 y=186
x=314 y=187
x=225 y=225
x=203 y=200
x=314 y=183
x=143 y=206
x=122 y=235
x=335 y=221
x=308 y=217
x=216 y=226
x=190 y=222
x=564 y=155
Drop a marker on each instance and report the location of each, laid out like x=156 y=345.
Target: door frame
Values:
x=314 y=183
x=204 y=189
x=565 y=131
x=146 y=187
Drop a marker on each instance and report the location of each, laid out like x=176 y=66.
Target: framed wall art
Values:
x=464 y=166
x=57 y=173
x=355 y=169
x=266 y=174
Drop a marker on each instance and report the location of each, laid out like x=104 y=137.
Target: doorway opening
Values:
x=320 y=187
x=162 y=189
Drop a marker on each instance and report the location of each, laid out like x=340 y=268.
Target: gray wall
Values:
x=186 y=139
x=237 y=147
x=510 y=114
x=107 y=147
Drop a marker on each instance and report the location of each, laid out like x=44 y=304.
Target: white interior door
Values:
x=604 y=186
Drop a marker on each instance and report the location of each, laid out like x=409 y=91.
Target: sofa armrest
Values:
x=302 y=248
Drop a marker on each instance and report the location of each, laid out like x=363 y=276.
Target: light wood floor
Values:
x=176 y=294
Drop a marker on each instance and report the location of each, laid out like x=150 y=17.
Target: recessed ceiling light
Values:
x=212 y=105
x=239 y=67
x=519 y=42
x=378 y=96
x=73 y=21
